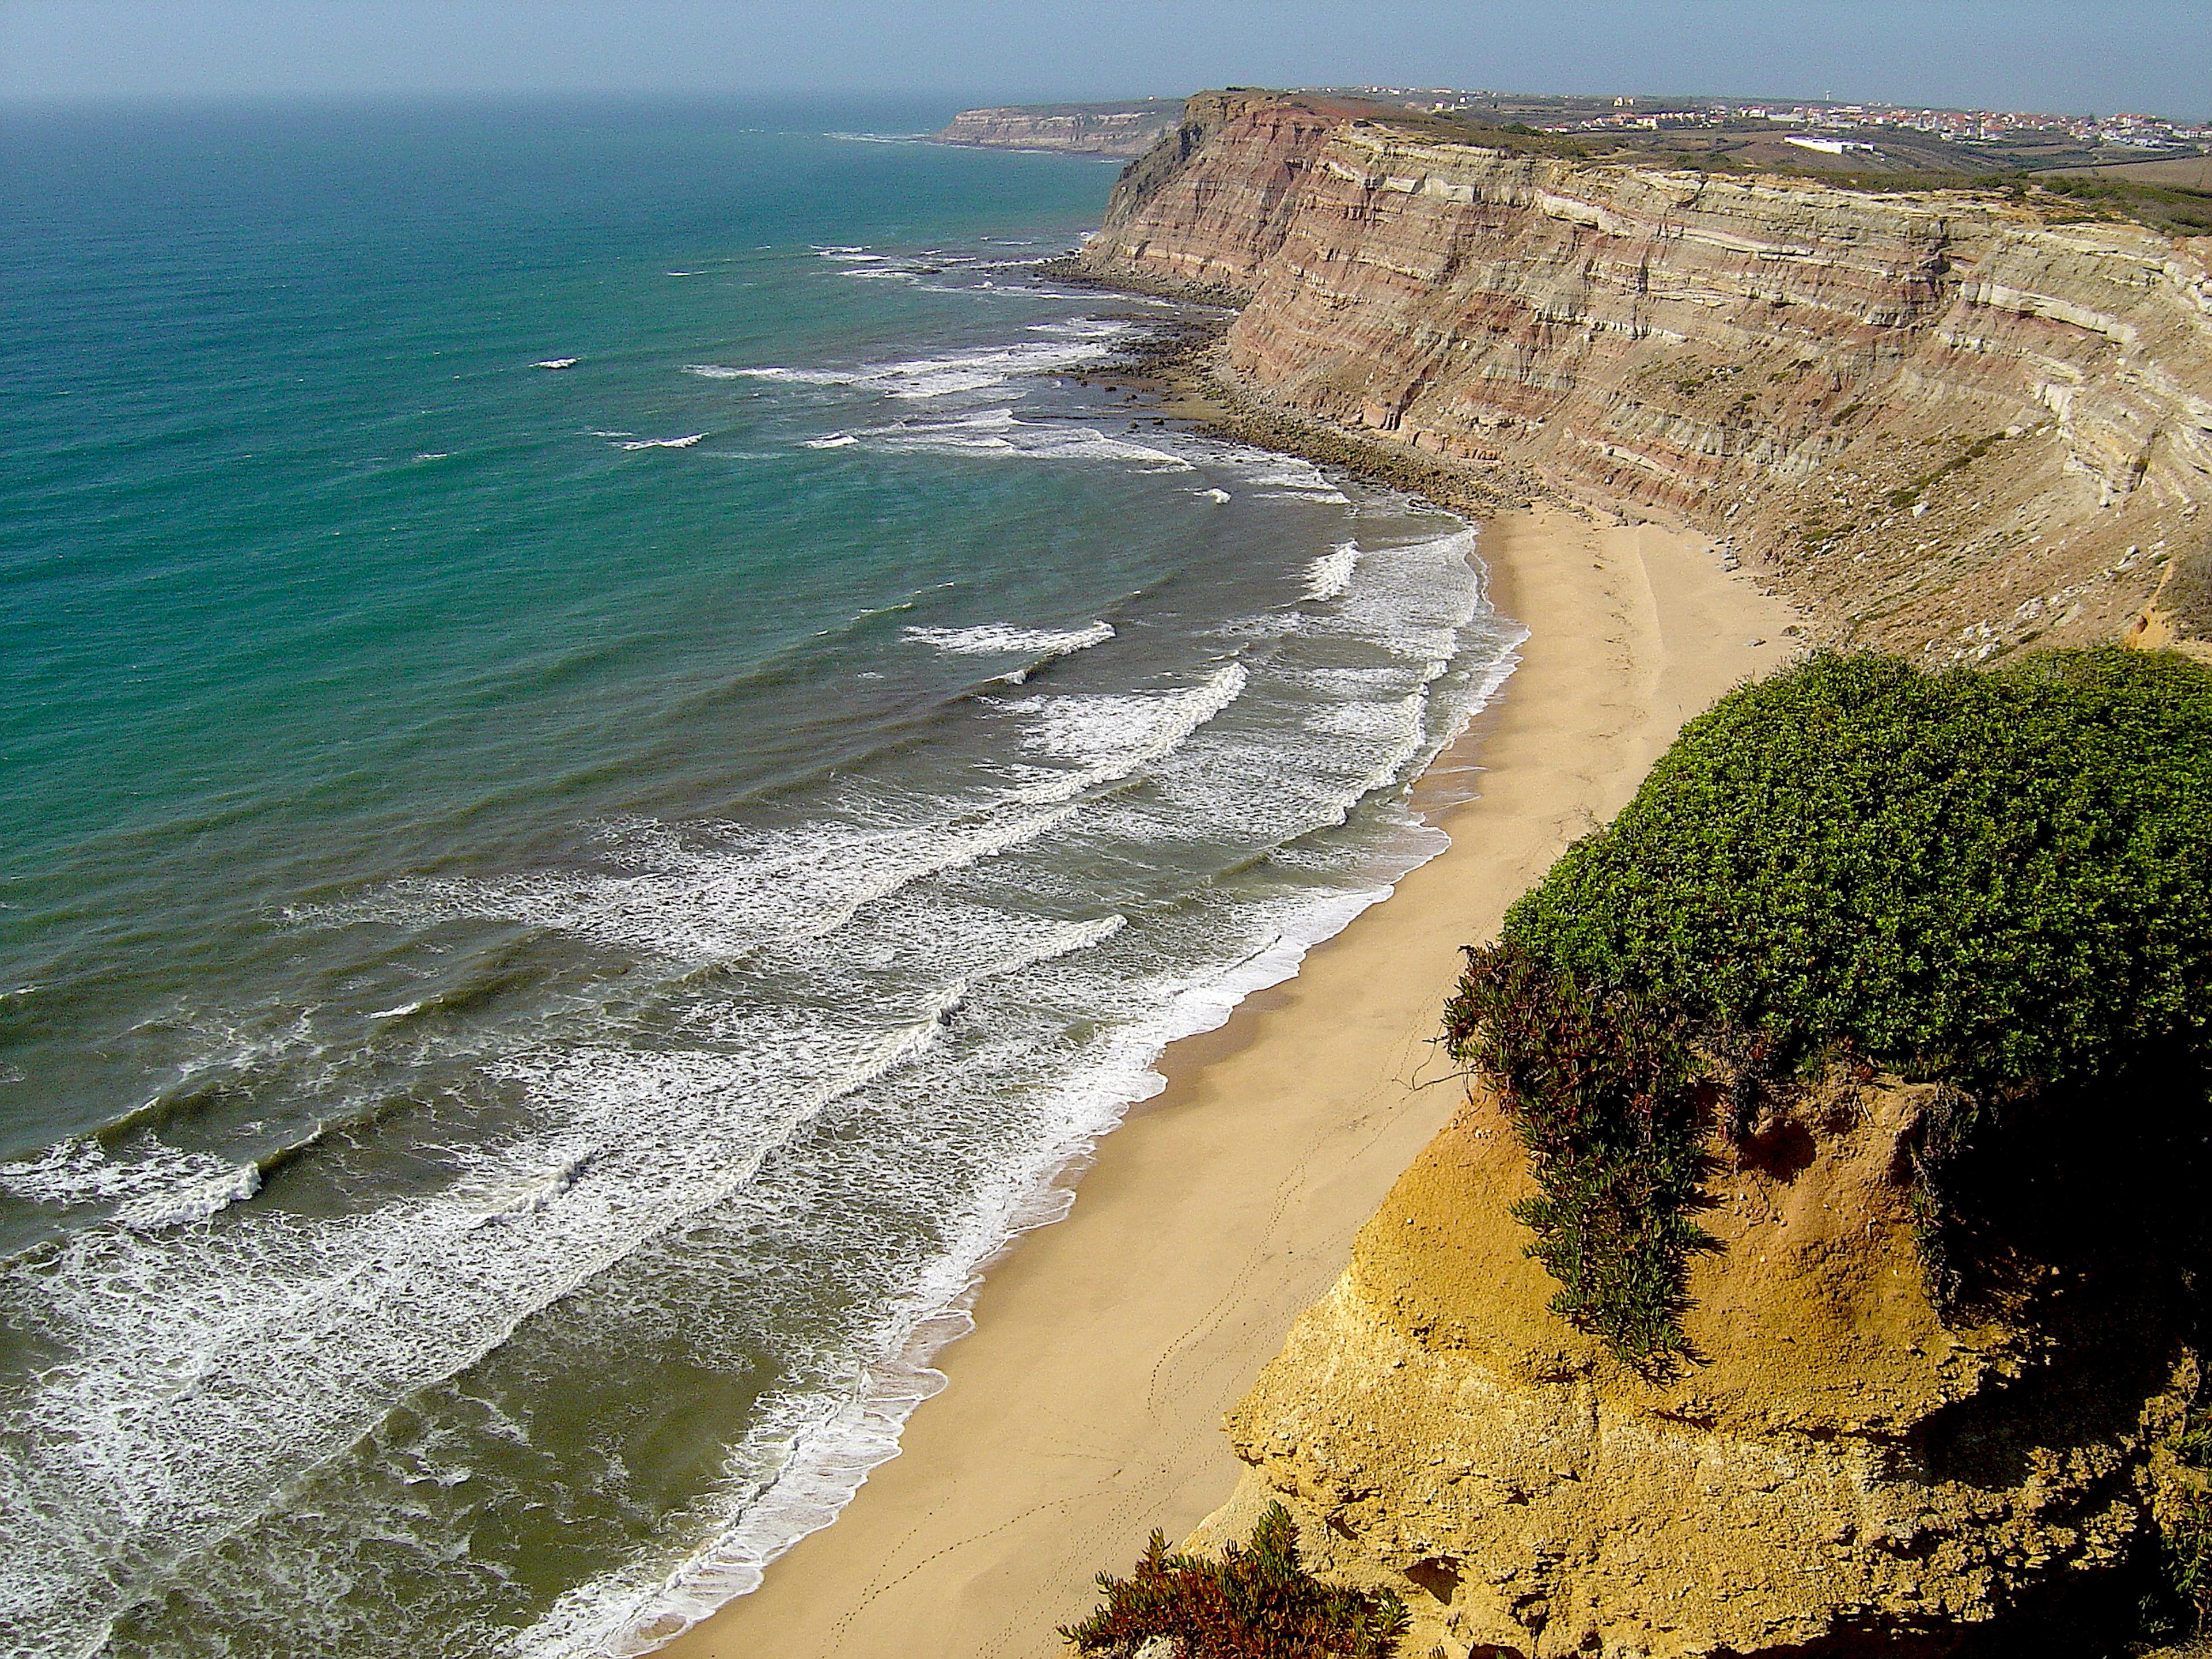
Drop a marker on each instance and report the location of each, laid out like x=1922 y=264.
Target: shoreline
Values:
x=1082 y=1408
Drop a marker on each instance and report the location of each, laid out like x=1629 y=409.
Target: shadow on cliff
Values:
x=2079 y=1218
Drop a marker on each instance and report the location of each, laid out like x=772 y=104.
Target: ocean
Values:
x=609 y=773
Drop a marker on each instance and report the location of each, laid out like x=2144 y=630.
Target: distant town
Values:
x=1835 y=128
x=2151 y=168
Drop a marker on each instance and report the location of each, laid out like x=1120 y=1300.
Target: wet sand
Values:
x=1085 y=1409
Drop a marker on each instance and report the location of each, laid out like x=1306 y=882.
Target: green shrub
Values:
x=1608 y=1103
x=2186 y=1543
x=2175 y=209
x=1255 y=1603
x=2192 y=1447
x=1998 y=881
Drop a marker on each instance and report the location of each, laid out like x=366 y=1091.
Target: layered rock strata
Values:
x=1947 y=422
x=1084 y=129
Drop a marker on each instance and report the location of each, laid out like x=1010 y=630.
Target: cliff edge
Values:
x=1818 y=1265
x=1953 y=422
x=1080 y=129
x=1844 y=1473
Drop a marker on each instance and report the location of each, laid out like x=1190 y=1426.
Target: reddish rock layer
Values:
x=1947 y=422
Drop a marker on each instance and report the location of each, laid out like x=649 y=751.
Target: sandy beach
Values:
x=1085 y=1409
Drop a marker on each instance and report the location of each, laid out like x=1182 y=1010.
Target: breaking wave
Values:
x=746 y=1094
x=1331 y=573
x=945 y=375
x=994 y=639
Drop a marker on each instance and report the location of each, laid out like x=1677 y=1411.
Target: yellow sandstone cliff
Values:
x=1841 y=1470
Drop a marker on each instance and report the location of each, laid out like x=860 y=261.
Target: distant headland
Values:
x=1123 y=128
x=1783 y=134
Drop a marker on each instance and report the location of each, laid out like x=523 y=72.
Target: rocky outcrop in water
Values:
x=1947 y=421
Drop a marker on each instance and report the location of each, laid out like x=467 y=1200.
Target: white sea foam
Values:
x=1331 y=573
x=662 y=443
x=945 y=375
x=276 y=1358
x=960 y=373
x=197 y=1362
x=199 y=1359
x=835 y=441
x=698 y=904
x=790 y=376
x=1270 y=474
x=1000 y=432
x=1096 y=330
x=151 y=1184
x=647 y=1143
x=556 y=362
x=1113 y=734
x=992 y=639
x=189 y=1202
x=539 y=1188
x=1403 y=605
x=832 y=1445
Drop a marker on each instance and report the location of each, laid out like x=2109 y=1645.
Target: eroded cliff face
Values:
x=1085 y=130
x=1842 y=1471
x=1947 y=425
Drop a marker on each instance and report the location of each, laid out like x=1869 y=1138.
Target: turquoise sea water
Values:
x=553 y=917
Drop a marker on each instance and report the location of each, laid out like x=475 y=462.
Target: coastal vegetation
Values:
x=2172 y=210
x=1995 y=882
x=1255 y=1602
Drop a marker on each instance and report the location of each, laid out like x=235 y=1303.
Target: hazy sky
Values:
x=2100 y=55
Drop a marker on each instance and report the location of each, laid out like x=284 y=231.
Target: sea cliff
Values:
x=1083 y=128
x=1844 y=1470
x=1948 y=422
x=1952 y=423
